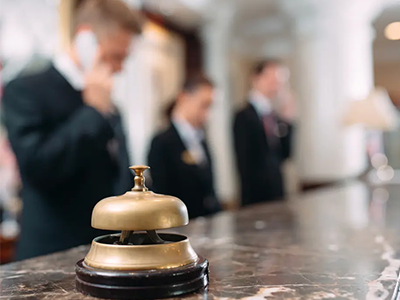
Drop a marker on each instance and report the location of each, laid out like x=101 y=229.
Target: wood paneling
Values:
x=192 y=41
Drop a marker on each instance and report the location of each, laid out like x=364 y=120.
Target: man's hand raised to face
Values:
x=98 y=86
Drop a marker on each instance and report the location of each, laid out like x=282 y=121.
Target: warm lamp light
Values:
x=392 y=31
x=377 y=112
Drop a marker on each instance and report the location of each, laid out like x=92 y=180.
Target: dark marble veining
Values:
x=336 y=243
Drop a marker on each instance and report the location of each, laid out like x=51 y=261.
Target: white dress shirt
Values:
x=70 y=71
x=261 y=104
x=192 y=139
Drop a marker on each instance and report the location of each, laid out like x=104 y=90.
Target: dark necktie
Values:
x=205 y=162
x=114 y=144
x=270 y=129
x=117 y=151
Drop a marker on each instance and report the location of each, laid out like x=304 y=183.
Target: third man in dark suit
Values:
x=262 y=134
x=179 y=157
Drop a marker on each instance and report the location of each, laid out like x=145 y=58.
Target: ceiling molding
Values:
x=263 y=26
x=279 y=47
x=258 y=25
x=175 y=12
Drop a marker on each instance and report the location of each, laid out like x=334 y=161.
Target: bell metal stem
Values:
x=154 y=237
x=125 y=236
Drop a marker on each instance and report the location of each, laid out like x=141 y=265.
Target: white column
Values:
x=152 y=75
x=334 y=65
x=216 y=41
x=135 y=97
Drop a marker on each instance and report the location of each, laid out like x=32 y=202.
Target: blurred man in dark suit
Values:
x=179 y=157
x=263 y=135
x=66 y=133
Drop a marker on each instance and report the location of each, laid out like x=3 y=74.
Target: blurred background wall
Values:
x=337 y=51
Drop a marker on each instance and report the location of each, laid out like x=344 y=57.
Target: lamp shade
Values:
x=376 y=112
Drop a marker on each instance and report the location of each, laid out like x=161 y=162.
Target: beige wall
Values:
x=240 y=79
x=387 y=75
x=65 y=21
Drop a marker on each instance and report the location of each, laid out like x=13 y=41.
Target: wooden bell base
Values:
x=141 y=284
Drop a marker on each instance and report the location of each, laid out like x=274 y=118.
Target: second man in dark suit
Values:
x=179 y=157
x=263 y=135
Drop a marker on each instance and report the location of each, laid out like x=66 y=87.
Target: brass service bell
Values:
x=139 y=263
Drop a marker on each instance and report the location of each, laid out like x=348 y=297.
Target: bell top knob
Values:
x=139 y=178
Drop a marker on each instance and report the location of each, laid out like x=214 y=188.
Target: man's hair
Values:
x=262 y=65
x=107 y=13
x=194 y=81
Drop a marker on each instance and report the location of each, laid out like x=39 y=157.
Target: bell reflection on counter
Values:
x=139 y=263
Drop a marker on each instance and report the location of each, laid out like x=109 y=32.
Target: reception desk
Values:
x=335 y=243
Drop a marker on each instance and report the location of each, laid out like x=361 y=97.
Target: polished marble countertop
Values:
x=340 y=242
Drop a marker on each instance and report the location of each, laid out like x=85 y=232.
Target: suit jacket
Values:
x=62 y=150
x=259 y=164
x=173 y=173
